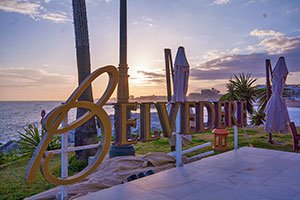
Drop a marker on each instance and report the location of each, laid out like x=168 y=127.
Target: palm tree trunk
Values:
x=86 y=134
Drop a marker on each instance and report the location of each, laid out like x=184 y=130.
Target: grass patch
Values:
x=13 y=185
x=161 y=145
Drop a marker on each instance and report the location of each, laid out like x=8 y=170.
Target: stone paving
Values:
x=246 y=174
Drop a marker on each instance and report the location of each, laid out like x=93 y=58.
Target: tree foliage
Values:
x=258 y=117
x=31 y=137
x=241 y=88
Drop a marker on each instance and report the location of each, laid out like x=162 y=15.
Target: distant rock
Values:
x=10 y=146
x=71 y=136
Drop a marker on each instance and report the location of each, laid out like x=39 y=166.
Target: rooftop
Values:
x=246 y=173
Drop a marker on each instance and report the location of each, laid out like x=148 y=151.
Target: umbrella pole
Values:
x=271 y=139
x=269 y=91
x=178 y=141
x=235 y=136
x=268 y=83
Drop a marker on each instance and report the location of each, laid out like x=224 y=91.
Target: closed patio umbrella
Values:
x=276 y=110
x=180 y=86
x=181 y=76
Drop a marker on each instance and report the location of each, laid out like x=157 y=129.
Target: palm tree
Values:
x=245 y=89
x=86 y=134
x=241 y=88
x=258 y=117
x=231 y=94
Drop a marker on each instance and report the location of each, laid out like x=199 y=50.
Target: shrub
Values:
x=30 y=139
x=258 y=117
x=6 y=158
x=76 y=165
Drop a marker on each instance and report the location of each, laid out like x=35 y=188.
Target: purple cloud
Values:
x=254 y=63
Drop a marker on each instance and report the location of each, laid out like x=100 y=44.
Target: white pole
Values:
x=235 y=135
x=201 y=146
x=199 y=156
x=64 y=160
x=178 y=141
x=97 y=127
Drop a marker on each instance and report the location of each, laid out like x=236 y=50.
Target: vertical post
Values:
x=64 y=160
x=168 y=78
x=178 y=140
x=268 y=83
x=235 y=132
x=269 y=91
x=123 y=90
x=97 y=127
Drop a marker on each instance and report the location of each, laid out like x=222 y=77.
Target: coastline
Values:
x=292 y=103
x=12 y=145
x=293 y=107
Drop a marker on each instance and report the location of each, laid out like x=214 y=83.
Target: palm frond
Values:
x=30 y=139
x=241 y=88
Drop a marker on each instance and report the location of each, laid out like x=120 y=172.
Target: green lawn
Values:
x=13 y=185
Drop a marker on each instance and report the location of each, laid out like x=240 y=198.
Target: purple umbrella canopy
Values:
x=276 y=110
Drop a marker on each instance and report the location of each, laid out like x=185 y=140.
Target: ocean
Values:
x=17 y=115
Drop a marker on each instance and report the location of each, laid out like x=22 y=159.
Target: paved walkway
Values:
x=246 y=174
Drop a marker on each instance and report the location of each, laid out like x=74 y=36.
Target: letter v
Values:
x=167 y=122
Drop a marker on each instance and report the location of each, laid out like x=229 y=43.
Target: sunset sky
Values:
x=221 y=38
